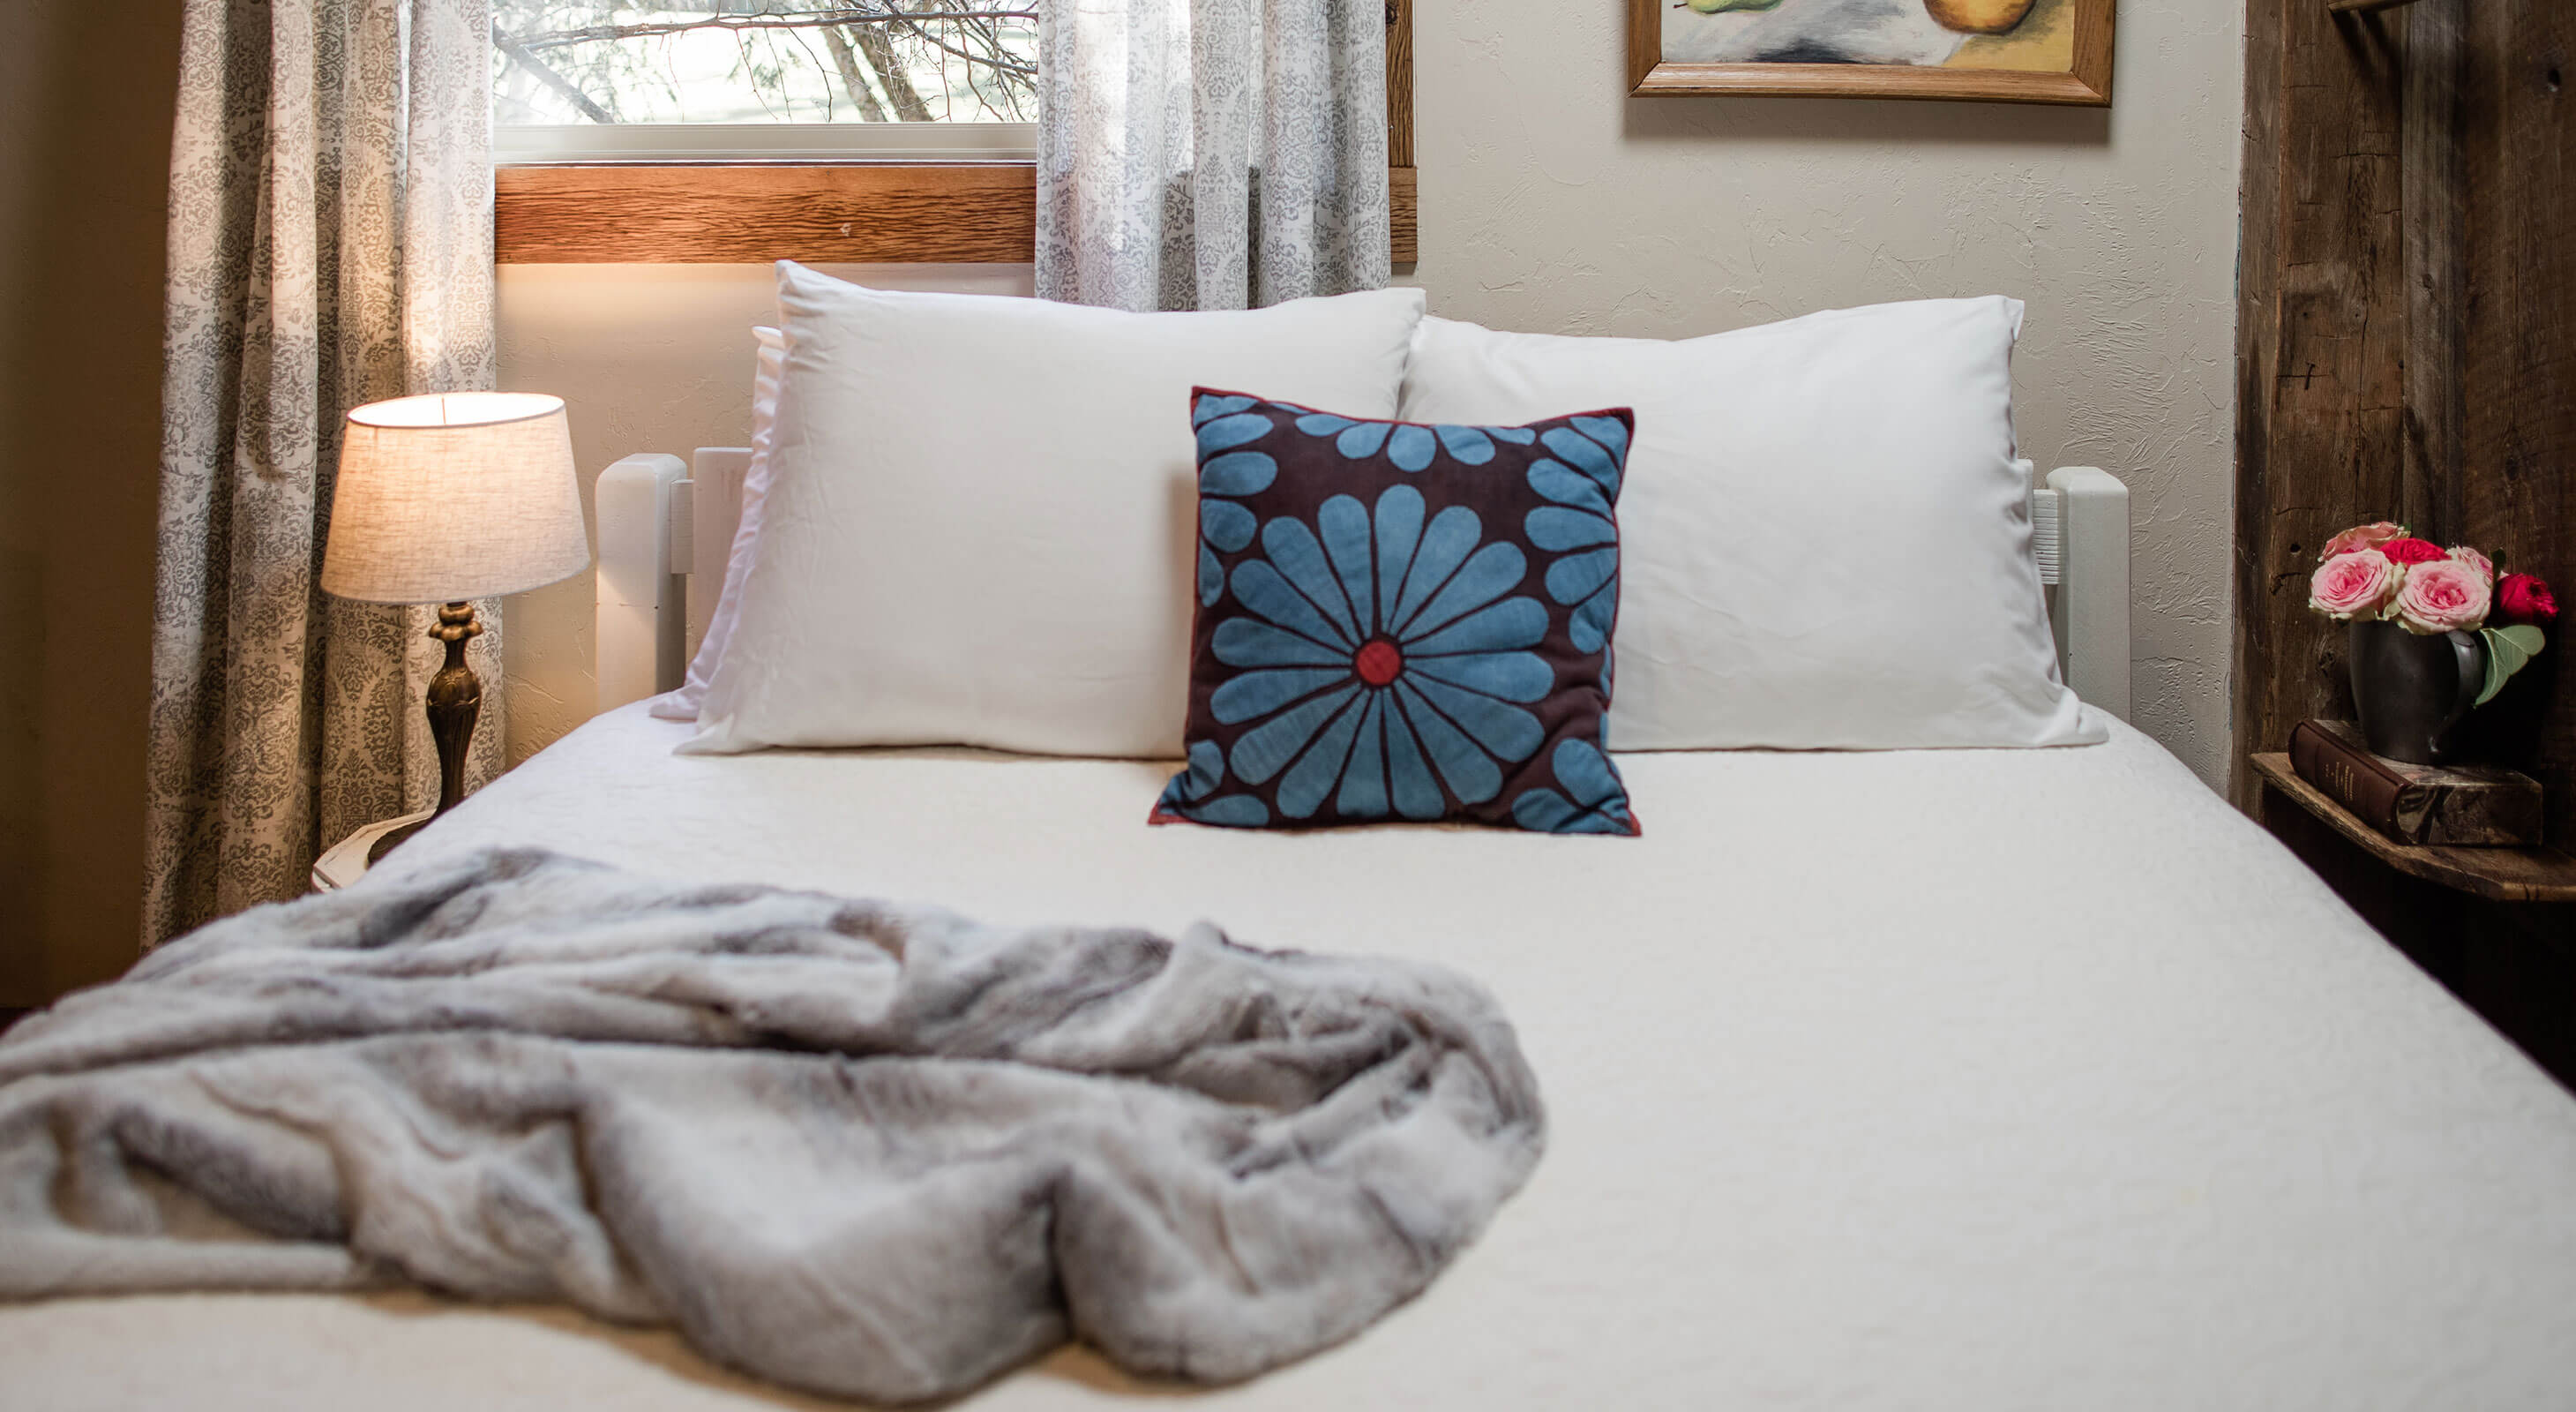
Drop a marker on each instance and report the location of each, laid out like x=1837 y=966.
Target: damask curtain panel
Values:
x=1210 y=154
x=330 y=245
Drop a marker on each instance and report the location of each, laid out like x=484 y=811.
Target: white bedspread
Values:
x=2014 y=1079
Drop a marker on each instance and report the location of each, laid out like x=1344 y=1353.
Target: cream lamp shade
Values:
x=452 y=496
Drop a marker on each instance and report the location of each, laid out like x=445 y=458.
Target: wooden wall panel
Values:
x=1404 y=219
x=2517 y=331
x=2320 y=345
x=2432 y=158
x=2258 y=293
x=1399 y=83
x=2407 y=331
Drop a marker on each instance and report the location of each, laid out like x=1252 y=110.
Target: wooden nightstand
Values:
x=2497 y=926
x=347 y=860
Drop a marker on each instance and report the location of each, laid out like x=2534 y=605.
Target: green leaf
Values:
x=2505 y=657
x=2525 y=636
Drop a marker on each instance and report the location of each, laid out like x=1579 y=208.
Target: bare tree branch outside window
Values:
x=754 y=61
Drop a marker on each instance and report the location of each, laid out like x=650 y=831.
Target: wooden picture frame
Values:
x=2085 y=81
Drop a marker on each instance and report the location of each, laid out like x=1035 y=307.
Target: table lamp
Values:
x=445 y=498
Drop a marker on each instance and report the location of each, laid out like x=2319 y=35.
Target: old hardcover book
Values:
x=2452 y=806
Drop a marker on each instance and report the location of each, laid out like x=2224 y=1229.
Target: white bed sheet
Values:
x=1975 y=1079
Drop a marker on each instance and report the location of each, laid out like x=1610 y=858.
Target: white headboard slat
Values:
x=649 y=622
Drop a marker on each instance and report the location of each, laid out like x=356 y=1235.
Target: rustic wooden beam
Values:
x=2258 y=285
x=2321 y=344
x=2516 y=328
x=2432 y=179
x=2363 y=7
x=1404 y=218
x=754 y=212
x=1399 y=83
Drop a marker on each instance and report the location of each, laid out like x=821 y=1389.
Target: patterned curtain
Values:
x=1210 y=154
x=330 y=244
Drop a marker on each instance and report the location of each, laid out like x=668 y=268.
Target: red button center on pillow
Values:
x=1378 y=663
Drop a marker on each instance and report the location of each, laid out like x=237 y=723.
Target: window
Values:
x=576 y=79
x=871 y=131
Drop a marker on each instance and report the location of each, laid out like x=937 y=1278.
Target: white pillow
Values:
x=681 y=703
x=1824 y=542
x=982 y=512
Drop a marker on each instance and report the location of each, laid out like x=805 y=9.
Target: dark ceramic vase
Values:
x=2411 y=689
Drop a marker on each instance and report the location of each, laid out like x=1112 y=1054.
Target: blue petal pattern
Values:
x=1413 y=446
x=1238 y=473
x=1362 y=441
x=1227 y=525
x=1363 y=793
x=1609 y=431
x=1382 y=655
x=1268 y=748
x=1438 y=602
x=1557 y=530
x=1231 y=431
x=1592 y=799
x=1470 y=445
x=1214 y=405
x=1561 y=484
x=1226 y=422
x=1188 y=793
x=1584 y=484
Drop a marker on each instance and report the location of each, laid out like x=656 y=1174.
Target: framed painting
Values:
x=2009 y=51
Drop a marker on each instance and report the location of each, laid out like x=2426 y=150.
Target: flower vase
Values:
x=2411 y=689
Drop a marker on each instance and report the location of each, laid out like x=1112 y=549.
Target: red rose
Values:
x=2413 y=551
x=2523 y=598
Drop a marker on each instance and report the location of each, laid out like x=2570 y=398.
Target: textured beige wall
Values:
x=84 y=161
x=1551 y=202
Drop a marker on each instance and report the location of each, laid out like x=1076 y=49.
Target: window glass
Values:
x=561 y=62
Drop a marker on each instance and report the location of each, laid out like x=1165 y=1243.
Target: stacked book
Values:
x=2449 y=806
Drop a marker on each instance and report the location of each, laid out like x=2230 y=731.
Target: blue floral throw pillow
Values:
x=1402 y=622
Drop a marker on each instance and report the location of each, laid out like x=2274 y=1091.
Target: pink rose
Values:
x=2411 y=551
x=2475 y=560
x=2523 y=598
x=2360 y=537
x=2355 y=585
x=2442 y=596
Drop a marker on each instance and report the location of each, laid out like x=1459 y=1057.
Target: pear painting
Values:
x=1966 y=34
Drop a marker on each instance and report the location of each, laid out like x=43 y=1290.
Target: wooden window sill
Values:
x=858 y=212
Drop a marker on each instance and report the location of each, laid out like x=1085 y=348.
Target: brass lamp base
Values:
x=455 y=701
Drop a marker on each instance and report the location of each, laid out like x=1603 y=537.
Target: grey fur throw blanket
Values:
x=861 y=1149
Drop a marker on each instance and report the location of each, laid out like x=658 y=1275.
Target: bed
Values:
x=2024 y=1079
x=2013 y=1078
